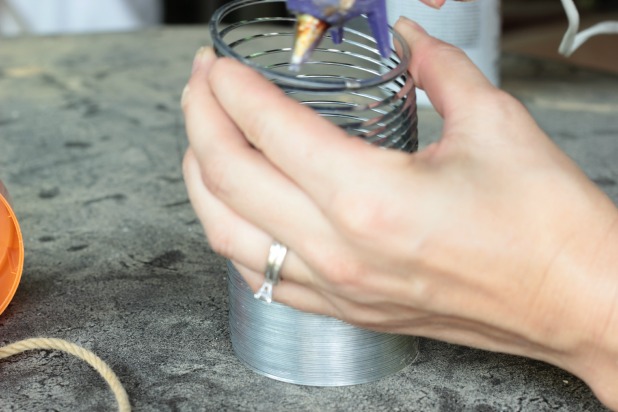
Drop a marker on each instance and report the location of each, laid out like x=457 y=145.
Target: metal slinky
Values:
x=307 y=349
x=369 y=97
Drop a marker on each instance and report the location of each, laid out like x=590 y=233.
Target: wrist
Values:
x=585 y=339
x=597 y=363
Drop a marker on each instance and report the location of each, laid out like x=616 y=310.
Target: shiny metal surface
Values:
x=349 y=83
x=369 y=97
x=276 y=256
x=307 y=349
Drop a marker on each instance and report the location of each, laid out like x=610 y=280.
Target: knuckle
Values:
x=219 y=237
x=337 y=268
x=422 y=292
x=217 y=176
x=343 y=273
x=441 y=52
x=258 y=129
x=359 y=216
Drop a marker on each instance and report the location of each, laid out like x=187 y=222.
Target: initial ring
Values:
x=276 y=256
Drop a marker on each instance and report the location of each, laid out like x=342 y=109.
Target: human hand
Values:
x=492 y=237
x=436 y=4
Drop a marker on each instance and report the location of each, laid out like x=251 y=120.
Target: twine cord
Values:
x=90 y=358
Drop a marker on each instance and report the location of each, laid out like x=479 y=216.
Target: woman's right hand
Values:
x=492 y=237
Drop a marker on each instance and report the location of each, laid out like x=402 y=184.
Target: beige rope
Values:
x=75 y=350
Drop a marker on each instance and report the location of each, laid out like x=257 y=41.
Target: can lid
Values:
x=11 y=253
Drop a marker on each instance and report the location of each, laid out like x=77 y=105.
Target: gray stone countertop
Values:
x=91 y=141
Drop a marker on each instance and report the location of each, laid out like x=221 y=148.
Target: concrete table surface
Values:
x=91 y=141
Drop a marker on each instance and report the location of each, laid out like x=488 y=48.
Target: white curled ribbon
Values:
x=573 y=39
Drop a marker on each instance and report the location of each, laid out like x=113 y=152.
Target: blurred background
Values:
x=529 y=26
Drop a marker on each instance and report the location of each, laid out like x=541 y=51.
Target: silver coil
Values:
x=307 y=349
x=367 y=96
x=348 y=83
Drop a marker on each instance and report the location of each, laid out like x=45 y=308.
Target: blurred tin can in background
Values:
x=473 y=26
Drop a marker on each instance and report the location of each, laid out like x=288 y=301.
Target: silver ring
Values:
x=276 y=256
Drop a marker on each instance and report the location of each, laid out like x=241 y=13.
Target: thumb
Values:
x=450 y=79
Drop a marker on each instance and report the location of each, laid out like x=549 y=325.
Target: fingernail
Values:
x=185 y=96
x=203 y=55
x=433 y=4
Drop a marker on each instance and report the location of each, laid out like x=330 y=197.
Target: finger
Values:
x=290 y=293
x=387 y=317
x=229 y=234
x=199 y=103
x=436 y=4
x=239 y=177
x=450 y=79
x=315 y=154
x=243 y=243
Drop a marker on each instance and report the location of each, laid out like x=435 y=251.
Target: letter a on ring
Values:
x=276 y=256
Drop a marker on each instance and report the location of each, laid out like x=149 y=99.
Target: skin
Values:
x=436 y=4
x=492 y=237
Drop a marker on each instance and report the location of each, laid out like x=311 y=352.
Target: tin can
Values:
x=473 y=26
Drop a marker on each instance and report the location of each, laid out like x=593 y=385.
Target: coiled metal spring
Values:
x=367 y=96
x=349 y=83
x=307 y=349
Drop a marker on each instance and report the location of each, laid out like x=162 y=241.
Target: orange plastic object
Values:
x=11 y=251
